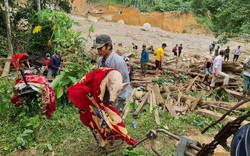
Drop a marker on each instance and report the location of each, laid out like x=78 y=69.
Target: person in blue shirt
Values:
x=55 y=65
x=144 y=59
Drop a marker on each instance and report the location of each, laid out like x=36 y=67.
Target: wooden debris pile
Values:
x=180 y=91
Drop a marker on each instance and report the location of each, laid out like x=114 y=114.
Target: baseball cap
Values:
x=48 y=55
x=126 y=59
x=101 y=40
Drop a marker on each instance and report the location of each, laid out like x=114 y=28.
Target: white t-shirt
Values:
x=237 y=52
x=217 y=63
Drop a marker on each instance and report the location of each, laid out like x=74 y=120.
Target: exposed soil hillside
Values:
x=173 y=21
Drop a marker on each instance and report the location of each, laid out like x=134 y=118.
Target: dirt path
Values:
x=125 y=34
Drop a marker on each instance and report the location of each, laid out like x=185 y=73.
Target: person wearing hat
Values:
x=19 y=59
x=55 y=63
x=159 y=56
x=144 y=59
x=47 y=64
x=110 y=59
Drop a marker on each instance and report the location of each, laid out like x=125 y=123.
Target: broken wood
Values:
x=169 y=106
x=137 y=111
x=158 y=97
x=126 y=108
x=191 y=83
x=156 y=113
x=217 y=115
x=236 y=94
x=151 y=101
x=5 y=59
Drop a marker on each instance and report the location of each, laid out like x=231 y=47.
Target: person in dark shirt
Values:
x=180 y=49
x=135 y=47
x=208 y=65
x=226 y=57
x=55 y=63
x=130 y=68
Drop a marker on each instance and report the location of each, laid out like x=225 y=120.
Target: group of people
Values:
x=216 y=50
x=177 y=50
x=52 y=63
x=214 y=66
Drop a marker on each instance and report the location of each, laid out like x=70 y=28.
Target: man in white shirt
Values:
x=236 y=54
x=217 y=67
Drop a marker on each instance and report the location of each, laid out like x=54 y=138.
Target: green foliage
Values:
x=134 y=152
x=5 y=94
x=200 y=121
x=194 y=94
x=232 y=19
x=69 y=76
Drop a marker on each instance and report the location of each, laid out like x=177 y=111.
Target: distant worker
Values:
x=159 y=57
x=55 y=64
x=207 y=65
x=236 y=54
x=47 y=64
x=211 y=47
x=246 y=77
x=130 y=68
x=180 y=49
x=217 y=70
x=19 y=59
x=216 y=52
x=227 y=53
x=175 y=50
x=135 y=47
x=144 y=59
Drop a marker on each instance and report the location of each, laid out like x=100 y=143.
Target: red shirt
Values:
x=21 y=57
x=47 y=62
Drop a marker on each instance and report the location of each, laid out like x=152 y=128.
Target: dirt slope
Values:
x=173 y=21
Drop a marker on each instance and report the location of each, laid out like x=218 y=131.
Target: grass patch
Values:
x=64 y=134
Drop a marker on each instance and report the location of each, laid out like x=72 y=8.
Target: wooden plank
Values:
x=126 y=108
x=5 y=59
x=236 y=94
x=151 y=101
x=168 y=104
x=144 y=99
x=156 y=113
x=191 y=84
x=158 y=97
x=216 y=116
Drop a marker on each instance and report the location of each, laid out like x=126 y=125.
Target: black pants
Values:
x=226 y=58
x=235 y=58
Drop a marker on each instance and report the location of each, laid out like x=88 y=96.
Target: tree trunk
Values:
x=38 y=5
x=7 y=63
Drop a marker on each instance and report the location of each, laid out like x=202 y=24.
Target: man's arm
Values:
x=216 y=72
x=28 y=63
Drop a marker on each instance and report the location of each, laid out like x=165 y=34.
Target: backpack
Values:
x=173 y=50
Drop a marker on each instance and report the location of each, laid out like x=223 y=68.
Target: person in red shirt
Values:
x=19 y=59
x=47 y=64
